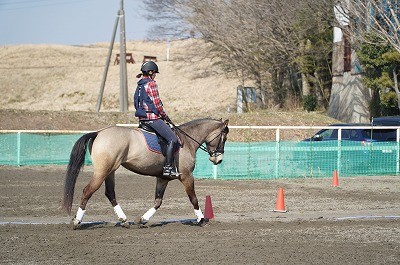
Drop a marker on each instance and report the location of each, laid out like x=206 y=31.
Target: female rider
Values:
x=149 y=109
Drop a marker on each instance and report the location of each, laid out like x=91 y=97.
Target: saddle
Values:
x=155 y=142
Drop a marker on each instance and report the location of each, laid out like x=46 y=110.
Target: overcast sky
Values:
x=72 y=22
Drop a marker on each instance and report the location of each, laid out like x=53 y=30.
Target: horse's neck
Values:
x=200 y=132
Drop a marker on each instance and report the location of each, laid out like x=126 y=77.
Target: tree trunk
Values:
x=305 y=84
x=396 y=86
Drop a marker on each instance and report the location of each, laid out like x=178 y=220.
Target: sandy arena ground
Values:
x=355 y=223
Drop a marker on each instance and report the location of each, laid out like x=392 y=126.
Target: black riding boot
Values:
x=169 y=169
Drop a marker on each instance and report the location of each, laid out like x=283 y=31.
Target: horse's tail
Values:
x=76 y=161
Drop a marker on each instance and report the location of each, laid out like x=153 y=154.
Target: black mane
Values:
x=197 y=121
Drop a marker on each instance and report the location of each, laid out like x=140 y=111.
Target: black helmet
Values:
x=149 y=66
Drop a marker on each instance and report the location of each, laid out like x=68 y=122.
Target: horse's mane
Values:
x=197 y=122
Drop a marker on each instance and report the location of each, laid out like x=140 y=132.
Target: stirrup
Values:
x=170 y=171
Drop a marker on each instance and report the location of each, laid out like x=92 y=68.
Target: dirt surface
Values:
x=355 y=223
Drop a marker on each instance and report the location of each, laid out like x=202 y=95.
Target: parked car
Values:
x=376 y=152
x=363 y=135
x=353 y=134
x=386 y=134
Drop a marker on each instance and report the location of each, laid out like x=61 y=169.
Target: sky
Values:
x=70 y=22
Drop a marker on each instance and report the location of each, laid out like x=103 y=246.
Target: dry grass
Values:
x=55 y=77
x=57 y=87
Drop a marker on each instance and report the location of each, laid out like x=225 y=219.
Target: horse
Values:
x=117 y=146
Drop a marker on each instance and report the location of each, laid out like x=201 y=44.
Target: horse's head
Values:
x=215 y=142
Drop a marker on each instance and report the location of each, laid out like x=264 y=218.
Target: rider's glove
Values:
x=167 y=119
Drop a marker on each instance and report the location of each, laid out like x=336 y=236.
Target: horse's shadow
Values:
x=104 y=224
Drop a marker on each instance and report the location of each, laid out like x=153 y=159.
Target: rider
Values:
x=149 y=109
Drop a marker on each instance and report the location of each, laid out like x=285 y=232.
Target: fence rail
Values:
x=242 y=160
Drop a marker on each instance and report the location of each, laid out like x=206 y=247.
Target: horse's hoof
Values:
x=75 y=223
x=140 y=221
x=203 y=222
x=125 y=224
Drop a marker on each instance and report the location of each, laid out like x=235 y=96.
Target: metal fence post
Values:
x=398 y=150
x=215 y=171
x=339 y=157
x=19 y=148
x=277 y=152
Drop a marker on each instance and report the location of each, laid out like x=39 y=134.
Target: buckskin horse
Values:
x=117 y=146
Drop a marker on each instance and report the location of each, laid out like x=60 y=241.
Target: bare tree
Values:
x=260 y=40
x=377 y=17
x=170 y=17
x=375 y=22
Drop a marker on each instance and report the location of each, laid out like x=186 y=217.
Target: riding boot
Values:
x=170 y=169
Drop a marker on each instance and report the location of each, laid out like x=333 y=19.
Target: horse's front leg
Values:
x=188 y=183
x=160 y=190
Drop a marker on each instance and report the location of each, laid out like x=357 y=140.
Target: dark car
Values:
x=363 y=150
x=361 y=134
x=351 y=134
x=389 y=134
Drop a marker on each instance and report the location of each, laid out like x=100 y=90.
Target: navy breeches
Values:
x=164 y=131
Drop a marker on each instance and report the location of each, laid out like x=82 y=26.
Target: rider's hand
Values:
x=167 y=119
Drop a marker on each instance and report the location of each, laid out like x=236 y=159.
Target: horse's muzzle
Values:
x=216 y=158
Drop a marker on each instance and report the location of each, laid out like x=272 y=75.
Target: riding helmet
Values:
x=149 y=66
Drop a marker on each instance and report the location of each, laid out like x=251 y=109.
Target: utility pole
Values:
x=123 y=93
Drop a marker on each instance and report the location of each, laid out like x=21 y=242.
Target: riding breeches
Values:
x=163 y=130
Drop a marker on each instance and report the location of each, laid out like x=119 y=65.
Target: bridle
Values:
x=214 y=153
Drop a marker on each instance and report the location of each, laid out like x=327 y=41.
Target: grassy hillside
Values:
x=55 y=77
x=57 y=87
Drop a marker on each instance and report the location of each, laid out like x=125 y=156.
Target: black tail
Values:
x=75 y=164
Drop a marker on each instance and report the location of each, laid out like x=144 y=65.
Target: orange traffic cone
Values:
x=280 y=202
x=335 y=181
x=208 y=211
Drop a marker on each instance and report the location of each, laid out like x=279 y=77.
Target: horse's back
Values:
x=114 y=142
x=115 y=146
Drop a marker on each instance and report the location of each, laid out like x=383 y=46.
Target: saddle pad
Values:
x=151 y=141
x=153 y=144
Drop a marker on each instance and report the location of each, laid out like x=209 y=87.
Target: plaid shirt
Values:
x=152 y=90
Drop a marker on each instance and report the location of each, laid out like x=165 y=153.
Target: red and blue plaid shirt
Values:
x=152 y=90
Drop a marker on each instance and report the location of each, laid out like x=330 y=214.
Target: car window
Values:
x=334 y=134
x=353 y=134
x=346 y=134
x=326 y=134
x=366 y=133
x=357 y=134
x=384 y=135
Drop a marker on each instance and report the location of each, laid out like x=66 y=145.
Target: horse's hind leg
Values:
x=93 y=185
x=110 y=194
x=160 y=190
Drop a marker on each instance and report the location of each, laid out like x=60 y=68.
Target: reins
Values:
x=201 y=146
